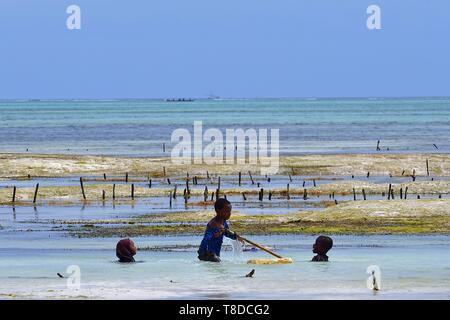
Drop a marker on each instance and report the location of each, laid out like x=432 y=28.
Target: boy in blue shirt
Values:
x=216 y=229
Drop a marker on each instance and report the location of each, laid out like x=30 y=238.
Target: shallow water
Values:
x=279 y=204
x=414 y=267
x=139 y=127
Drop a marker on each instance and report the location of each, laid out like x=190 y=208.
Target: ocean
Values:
x=307 y=126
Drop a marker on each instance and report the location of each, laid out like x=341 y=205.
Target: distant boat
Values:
x=180 y=100
x=213 y=97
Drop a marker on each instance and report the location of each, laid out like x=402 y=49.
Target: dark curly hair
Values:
x=325 y=242
x=221 y=203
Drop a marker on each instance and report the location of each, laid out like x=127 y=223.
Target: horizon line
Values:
x=215 y=98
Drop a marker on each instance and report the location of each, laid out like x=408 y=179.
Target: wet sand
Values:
x=320 y=199
x=20 y=165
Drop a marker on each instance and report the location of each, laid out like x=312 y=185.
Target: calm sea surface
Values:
x=140 y=127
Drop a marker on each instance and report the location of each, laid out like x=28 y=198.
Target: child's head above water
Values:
x=322 y=245
x=125 y=250
x=223 y=208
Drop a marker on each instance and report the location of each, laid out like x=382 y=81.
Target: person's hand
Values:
x=238 y=238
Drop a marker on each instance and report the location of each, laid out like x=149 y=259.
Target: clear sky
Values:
x=232 y=48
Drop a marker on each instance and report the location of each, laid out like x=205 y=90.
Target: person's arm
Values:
x=218 y=233
x=217 y=227
x=230 y=234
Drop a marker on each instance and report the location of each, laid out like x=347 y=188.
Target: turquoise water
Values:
x=139 y=127
x=33 y=250
x=415 y=267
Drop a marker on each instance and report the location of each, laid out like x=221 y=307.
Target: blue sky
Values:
x=232 y=48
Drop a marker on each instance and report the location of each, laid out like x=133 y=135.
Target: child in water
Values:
x=215 y=230
x=321 y=247
x=125 y=250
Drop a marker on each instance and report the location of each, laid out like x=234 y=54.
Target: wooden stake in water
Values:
x=406 y=192
x=104 y=176
x=14 y=195
x=35 y=193
x=240 y=177
x=205 y=194
x=132 y=191
x=305 y=194
x=251 y=178
x=428 y=171
x=82 y=188
x=170 y=199
x=287 y=192
x=354 y=194
x=114 y=191
x=126 y=177
x=364 y=194
x=243 y=196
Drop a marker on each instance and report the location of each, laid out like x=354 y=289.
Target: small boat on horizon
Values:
x=180 y=100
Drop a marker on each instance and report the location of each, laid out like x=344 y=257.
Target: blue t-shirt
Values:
x=212 y=244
